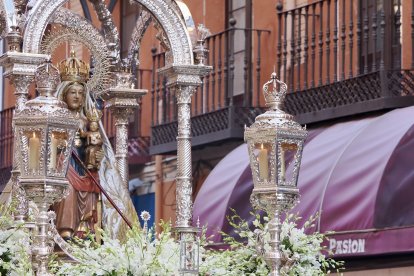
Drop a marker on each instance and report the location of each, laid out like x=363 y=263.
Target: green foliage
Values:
x=14 y=245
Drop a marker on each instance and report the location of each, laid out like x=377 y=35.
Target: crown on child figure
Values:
x=94 y=115
x=73 y=69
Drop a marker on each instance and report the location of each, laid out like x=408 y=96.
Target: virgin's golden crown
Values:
x=73 y=69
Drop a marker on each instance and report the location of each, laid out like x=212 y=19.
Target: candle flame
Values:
x=261 y=147
x=34 y=134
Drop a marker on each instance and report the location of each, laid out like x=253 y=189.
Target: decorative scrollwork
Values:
x=174 y=28
x=110 y=32
x=141 y=26
x=162 y=38
x=171 y=22
x=77 y=29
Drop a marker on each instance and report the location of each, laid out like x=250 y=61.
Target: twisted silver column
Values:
x=273 y=257
x=122 y=101
x=184 y=79
x=184 y=165
x=121 y=115
x=43 y=243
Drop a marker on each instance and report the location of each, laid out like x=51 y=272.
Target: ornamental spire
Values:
x=275 y=97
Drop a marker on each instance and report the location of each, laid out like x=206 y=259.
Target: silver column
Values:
x=184 y=79
x=121 y=143
x=184 y=163
x=121 y=99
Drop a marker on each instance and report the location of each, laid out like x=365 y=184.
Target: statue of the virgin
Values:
x=80 y=210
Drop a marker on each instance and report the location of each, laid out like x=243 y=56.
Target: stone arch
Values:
x=170 y=20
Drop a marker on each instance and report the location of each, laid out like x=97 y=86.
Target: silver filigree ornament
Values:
x=200 y=50
x=141 y=25
x=121 y=99
x=275 y=141
x=171 y=22
x=45 y=130
x=75 y=28
x=109 y=30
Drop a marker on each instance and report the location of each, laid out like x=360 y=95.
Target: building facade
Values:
x=342 y=60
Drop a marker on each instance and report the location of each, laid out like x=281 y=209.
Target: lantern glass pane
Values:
x=262 y=154
x=58 y=143
x=33 y=141
x=287 y=155
x=189 y=253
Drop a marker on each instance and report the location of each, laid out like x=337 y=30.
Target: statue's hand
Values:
x=77 y=141
x=99 y=155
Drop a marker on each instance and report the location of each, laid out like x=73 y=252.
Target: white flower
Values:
x=145 y=216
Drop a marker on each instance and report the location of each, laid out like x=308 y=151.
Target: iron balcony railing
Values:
x=230 y=94
x=339 y=58
x=346 y=57
x=220 y=89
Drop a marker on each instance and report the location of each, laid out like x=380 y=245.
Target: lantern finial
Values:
x=47 y=78
x=275 y=97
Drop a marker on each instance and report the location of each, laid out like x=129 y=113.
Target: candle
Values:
x=53 y=152
x=34 y=152
x=263 y=163
x=282 y=165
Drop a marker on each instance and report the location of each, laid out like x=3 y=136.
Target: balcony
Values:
x=344 y=58
x=229 y=98
x=339 y=59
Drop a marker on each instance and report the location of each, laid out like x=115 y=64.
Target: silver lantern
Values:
x=275 y=141
x=44 y=132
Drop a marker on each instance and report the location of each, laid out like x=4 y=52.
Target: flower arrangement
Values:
x=14 y=245
x=302 y=254
x=148 y=253
x=143 y=253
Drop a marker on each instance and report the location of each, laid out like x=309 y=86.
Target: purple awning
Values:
x=358 y=174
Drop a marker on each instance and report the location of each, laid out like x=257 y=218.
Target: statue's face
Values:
x=93 y=126
x=75 y=97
